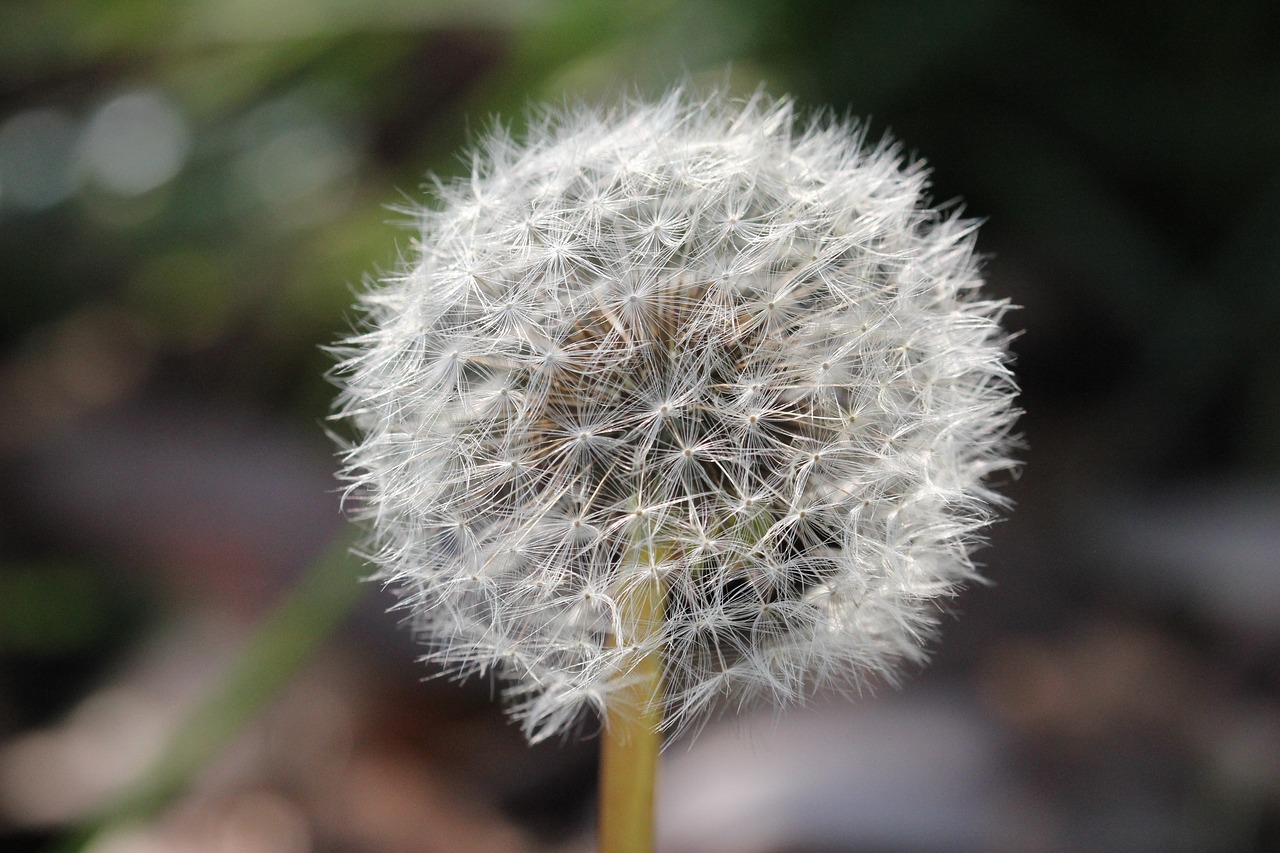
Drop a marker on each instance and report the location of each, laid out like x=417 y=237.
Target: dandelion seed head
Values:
x=693 y=340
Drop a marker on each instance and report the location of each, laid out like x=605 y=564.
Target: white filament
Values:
x=682 y=340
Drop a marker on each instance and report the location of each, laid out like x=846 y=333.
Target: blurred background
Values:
x=190 y=194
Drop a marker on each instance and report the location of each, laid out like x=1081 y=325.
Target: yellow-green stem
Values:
x=631 y=741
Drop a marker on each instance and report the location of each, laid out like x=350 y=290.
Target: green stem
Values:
x=271 y=657
x=631 y=740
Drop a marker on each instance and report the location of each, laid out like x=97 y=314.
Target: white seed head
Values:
x=691 y=341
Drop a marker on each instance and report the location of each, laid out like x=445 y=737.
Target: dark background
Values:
x=190 y=194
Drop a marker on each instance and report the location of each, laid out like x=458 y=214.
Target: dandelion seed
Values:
x=693 y=343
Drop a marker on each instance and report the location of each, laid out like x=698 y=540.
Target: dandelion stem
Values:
x=630 y=744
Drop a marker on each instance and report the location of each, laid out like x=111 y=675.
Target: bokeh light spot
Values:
x=36 y=152
x=135 y=143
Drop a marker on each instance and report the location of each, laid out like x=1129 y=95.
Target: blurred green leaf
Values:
x=53 y=609
x=271 y=657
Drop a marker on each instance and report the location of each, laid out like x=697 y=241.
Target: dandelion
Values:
x=686 y=388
